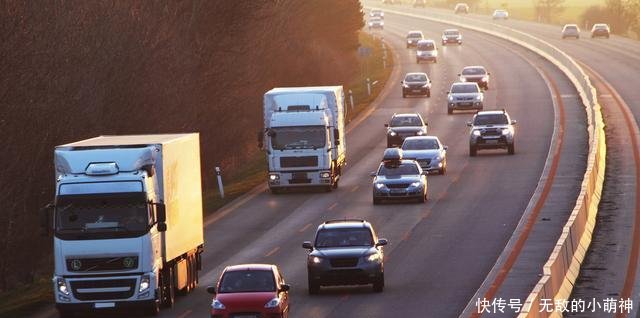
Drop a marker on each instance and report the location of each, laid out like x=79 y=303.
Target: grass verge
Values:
x=25 y=300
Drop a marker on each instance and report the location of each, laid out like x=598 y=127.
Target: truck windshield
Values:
x=99 y=216
x=301 y=137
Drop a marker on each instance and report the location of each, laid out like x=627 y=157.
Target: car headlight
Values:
x=380 y=185
x=216 y=304
x=420 y=133
x=392 y=133
x=274 y=177
x=315 y=259
x=425 y=85
x=416 y=184
x=505 y=131
x=145 y=282
x=438 y=158
x=381 y=23
x=373 y=257
x=405 y=85
x=325 y=175
x=485 y=78
x=273 y=303
x=479 y=97
x=476 y=133
x=463 y=79
x=450 y=98
x=62 y=286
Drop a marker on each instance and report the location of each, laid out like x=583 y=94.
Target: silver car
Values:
x=426 y=50
x=451 y=36
x=465 y=96
x=428 y=151
x=399 y=179
x=492 y=129
x=376 y=23
x=570 y=31
x=500 y=14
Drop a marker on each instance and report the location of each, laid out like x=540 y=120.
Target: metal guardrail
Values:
x=563 y=266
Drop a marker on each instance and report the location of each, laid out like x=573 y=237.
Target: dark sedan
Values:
x=416 y=84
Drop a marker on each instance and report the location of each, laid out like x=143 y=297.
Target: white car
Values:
x=426 y=50
x=376 y=13
x=500 y=14
x=600 y=30
x=465 y=96
x=570 y=31
x=428 y=151
x=376 y=23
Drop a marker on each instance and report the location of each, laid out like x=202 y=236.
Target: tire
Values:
x=423 y=198
x=169 y=291
x=429 y=93
x=335 y=185
x=449 y=111
x=473 y=151
x=512 y=148
x=435 y=61
x=314 y=286
x=152 y=310
x=378 y=284
x=417 y=61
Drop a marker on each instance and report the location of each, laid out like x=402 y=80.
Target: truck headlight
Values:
x=373 y=257
x=62 y=286
x=479 y=97
x=273 y=303
x=216 y=304
x=274 y=177
x=505 y=131
x=380 y=186
x=145 y=282
x=416 y=184
x=325 y=175
x=476 y=133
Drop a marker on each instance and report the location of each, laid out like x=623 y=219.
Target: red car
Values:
x=250 y=291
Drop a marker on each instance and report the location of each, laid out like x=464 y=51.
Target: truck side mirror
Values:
x=45 y=219
x=162 y=227
x=161 y=216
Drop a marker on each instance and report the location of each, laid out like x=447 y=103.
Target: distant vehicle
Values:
x=476 y=74
x=500 y=14
x=399 y=179
x=491 y=130
x=461 y=8
x=345 y=252
x=304 y=137
x=428 y=151
x=451 y=36
x=600 y=30
x=402 y=126
x=570 y=31
x=416 y=84
x=127 y=222
x=258 y=289
x=465 y=96
x=413 y=37
x=376 y=23
x=388 y=2
x=376 y=13
x=426 y=50
x=420 y=3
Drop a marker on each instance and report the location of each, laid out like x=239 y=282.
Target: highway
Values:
x=439 y=252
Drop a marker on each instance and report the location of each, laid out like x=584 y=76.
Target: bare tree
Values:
x=547 y=9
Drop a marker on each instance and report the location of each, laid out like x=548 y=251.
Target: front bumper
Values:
x=492 y=142
x=118 y=306
x=465 y=105
x=296 y=179
x=364 y=273
x=431 y=164
x=398 y=194
x=110 y=292
x=415 y=90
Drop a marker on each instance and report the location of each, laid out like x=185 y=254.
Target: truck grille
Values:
x=127 y=287
x=102 y=264
x=344 y=262
x=398 y=186
x=295 y=162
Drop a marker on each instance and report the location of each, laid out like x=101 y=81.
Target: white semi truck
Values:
x=127 y=222
x=304 y=136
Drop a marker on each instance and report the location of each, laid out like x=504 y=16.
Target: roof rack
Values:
x=344 y=220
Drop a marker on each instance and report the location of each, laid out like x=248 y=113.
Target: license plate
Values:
x=416 y=91
x=300 y=175
x=397 y=190
x=104 y=305
x=491 y=141
x=466 y=104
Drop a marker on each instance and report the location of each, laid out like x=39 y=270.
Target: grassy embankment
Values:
x=27 y=299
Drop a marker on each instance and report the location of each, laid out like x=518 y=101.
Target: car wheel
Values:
x=428 y=93
x=417 y=61
x=378 y=284
x=512 y=148
x=422 y=198
x=473 y=151
x=376 y=201
x=449 y=111
x=335 y=185
x=314 y=286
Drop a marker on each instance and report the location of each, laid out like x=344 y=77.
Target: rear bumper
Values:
x=416 y=91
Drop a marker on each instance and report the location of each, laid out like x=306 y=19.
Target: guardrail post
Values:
x=351 y=99
x=368 y=86
x=220 y=186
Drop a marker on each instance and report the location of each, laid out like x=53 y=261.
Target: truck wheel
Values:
x=314 y=286
x=472 y=151
x=168 y=286
x=378 y=284
x=335 y=185
x=512 y=148
x=153 y=309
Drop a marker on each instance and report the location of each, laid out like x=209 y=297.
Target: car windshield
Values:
x=98 y=215
x=420 y=144
x=344 y=237
x=493 y=119
x=464 y=89
x=404 y=169
x=570 y=28
x=474 y=71
x=302 y=137
x=415 y=78
x=375 y=19
x=402 y=121
x=451 y=33
x=426 y=46
x=376 y=12
x=247 y=281
x=600 y=27
x=414 y=36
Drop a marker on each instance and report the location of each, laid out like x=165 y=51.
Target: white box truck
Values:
x=304 y=136
x=127 y=222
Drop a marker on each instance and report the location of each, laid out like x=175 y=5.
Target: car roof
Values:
x=426 y=41
x=414 y=32
x=344 y=224
x=253 y=267
x=464 y=84
x=473 y=66
x=601 y=25
x=571 y=25
x=451 y=30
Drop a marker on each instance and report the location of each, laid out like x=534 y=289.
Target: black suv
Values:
x=402 y=126
x=345 y=252
x=417 y=83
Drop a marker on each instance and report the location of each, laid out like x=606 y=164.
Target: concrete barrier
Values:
x=563 y=266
